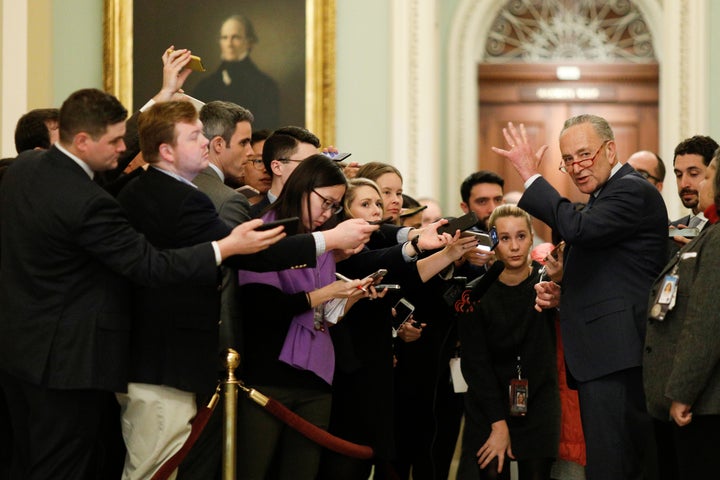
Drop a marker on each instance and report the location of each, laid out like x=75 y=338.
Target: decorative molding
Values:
x=538 y=31
x=414 y=104
x=684 y=60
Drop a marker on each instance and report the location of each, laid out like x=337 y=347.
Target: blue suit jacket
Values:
x=616 y=249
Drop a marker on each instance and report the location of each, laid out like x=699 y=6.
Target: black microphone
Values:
x=480 y=285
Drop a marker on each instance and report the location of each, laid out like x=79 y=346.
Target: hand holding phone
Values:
x=378 y=274
x=342 y=277
x=403 y=310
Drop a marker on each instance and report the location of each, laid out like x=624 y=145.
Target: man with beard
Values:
x=691 y=158
x=481 y=192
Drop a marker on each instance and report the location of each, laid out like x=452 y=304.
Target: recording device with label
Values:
x=390 y=286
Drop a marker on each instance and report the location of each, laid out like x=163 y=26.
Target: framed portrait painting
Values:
x=275 y=57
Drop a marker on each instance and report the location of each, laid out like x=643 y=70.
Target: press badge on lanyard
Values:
x=665 y=298
x=518 y=393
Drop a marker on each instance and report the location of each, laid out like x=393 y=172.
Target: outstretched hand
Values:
x=520 y=153
x=244 y=239
x=174 y=74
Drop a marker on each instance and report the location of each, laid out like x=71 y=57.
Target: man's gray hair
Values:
x=220 y=119
x=599 y=124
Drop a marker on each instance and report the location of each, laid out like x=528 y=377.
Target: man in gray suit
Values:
x=616 y=247
x=228 y=127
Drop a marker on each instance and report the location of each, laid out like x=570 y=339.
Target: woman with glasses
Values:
x=288 y=353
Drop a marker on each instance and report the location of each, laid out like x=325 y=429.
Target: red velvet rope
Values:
x=318 y=435
x=313 y=432
x=172 y=463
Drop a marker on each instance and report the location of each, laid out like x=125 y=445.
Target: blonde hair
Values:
x=509 y=210
x=374 y=170
x=351 y=192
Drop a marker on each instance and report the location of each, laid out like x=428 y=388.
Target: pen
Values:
x=342 y=277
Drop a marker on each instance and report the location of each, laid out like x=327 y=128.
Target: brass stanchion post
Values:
x=232 y=361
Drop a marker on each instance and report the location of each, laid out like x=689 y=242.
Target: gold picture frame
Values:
x=319 y=61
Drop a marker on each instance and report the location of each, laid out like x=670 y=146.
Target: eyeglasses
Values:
x=647 y=176
x=586 y=160
x=257 y=163
x=328 y=204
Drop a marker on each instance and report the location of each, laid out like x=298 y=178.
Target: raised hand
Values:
x=174 y=74
x=520 y=154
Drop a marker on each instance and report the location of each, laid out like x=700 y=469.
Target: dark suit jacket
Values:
x=67 y=249
x=175 y=329
x=682 y=352
x=616 y=249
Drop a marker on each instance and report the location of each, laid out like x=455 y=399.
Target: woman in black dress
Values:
x=508 y=360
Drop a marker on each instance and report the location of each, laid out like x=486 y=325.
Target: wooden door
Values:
x=530 y=94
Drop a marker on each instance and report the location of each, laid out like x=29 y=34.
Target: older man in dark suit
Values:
x=616 y=247
x=67 y=250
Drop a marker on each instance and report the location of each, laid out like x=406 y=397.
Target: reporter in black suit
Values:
x=615 y=248
x=67 y=252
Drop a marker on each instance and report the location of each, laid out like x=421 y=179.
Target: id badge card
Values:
x=665 y=298
x=518 y=397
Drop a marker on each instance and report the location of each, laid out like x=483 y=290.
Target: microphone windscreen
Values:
x=481 y=285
